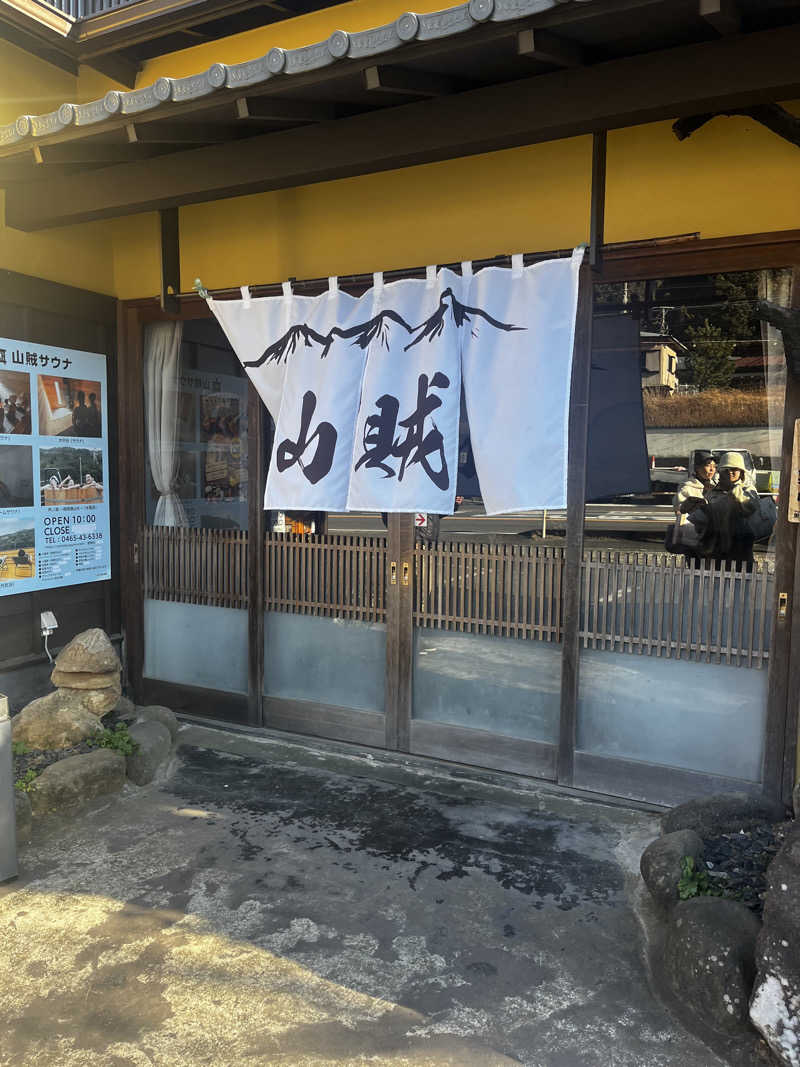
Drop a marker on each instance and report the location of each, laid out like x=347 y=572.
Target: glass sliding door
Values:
x=325 y=625
x=678 y=574
x=444 y=635
x=487 y=632
x=195 y=541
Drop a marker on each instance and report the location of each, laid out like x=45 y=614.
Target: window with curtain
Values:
x=196 y=425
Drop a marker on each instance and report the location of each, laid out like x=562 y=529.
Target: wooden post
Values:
x=256 y=477
x=399 y=631
x=576 y=471
x=170 y=260
x=131 y=487
x=597 y=220
x=576 y=498
x=783 y=685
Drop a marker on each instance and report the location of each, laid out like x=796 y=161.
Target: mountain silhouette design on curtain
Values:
x=364 y=333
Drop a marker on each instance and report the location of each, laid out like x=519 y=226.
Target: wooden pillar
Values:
x=576 y=500
x=130 y=398
x=170 y=260
x=783 y=685
x=597 y=219
x=576 y=472
x=256 y=478
x=399 y=631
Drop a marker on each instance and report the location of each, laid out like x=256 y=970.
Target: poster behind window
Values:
x=54 y=513
x=211 y=436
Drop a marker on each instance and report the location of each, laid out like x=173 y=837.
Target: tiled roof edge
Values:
x=277 y=63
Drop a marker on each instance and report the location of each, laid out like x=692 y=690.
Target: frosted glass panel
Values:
x=699 y=716
x=196 y=645
x=331 y=661
x=508 y=686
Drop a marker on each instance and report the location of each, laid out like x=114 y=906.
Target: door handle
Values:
x=405 y=574
x=393 y=572
x=783 y=605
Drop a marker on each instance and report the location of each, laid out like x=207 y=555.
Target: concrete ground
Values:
x=270 y=903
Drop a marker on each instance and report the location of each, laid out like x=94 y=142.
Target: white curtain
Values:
x=162 y=346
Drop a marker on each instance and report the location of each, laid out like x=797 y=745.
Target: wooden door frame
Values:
x=663 y=258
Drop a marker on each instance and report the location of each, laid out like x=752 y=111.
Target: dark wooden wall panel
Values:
x=42 y=312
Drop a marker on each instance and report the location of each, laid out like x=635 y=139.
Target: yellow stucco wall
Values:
x=731 y=177
x=437 y=213
x=29 y=85
x=73 y=255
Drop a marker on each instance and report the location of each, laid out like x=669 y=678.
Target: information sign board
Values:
x=54 y=476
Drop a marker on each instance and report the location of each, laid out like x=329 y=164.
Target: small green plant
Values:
x=695 y=882
x=26 y=781
x=117 y=739
x=19 y=748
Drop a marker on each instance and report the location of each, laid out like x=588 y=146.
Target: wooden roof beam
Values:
x=723 y=15
x=115 y=65
x=407 y=82
x=702 y=78
x=26 y=170
x=181 y=133
x=275 y=109
x=89 y=152
x=547 y=47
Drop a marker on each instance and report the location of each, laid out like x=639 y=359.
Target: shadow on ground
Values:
x=251 y=912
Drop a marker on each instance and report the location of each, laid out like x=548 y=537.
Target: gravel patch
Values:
x=738 y=862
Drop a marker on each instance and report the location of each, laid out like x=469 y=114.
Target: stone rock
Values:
x=84 y=679
x=58 y=720
x=98 y=701
x=661 y=864
x=90 y=651
x=71 y=781
x=124 y=708
x=24 y=816
x=157 y=713
x=724 y=813
x=709 y=960
x=154 y=741
x=775 y=1007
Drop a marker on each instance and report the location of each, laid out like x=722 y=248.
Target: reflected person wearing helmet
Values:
x=731 y=502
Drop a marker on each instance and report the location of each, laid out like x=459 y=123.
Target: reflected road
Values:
x=469 y=521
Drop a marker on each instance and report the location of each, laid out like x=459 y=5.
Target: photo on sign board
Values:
x=69 y=407
x=15 y=402
x=16 y=476
x=17 y=550
x=71 y=476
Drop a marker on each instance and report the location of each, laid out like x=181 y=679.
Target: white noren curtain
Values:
x=162 y=347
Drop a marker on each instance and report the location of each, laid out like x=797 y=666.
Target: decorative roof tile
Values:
x=278 y=62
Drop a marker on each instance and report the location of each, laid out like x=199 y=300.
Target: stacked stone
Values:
x=87 y=677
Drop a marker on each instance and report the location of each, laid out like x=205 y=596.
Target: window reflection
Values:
x=712 y=378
